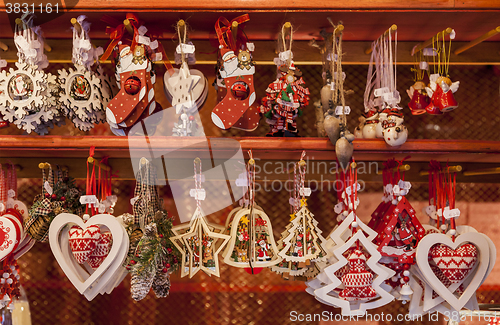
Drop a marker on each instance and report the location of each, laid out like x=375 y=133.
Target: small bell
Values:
x=405 y=292
x=419 y=101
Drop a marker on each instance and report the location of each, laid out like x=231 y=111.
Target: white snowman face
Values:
x=369 y=131
x=396 y=136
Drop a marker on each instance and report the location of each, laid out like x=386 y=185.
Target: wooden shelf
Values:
x=264 y=148
x=72 y=151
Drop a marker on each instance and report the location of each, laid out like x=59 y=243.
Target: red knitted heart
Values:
x=83 y=242
x=455 y=264
x=101 y=251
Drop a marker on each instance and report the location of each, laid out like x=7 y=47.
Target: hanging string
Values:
x=182 y=41
x=197 y=180
x=283 y=39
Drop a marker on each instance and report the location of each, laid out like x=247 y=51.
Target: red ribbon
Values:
x=117 y=33
x=91 y=182
x=225 y=34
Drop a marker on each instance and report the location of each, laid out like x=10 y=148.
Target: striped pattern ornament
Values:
x=83 y=242
x=358 y=281
x=455 y=264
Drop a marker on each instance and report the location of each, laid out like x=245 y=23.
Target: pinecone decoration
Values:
x=161 y=283
x=140 y=285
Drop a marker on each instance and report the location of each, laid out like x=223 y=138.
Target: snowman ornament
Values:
x=395 y=133
x=369 y=130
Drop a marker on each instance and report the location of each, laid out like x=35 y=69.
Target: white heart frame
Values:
x=422 y=254
x=88 y=284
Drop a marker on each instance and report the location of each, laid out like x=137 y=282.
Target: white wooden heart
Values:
x=422 y=253
x=82 y=280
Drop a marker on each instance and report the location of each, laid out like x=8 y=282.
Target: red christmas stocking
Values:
x=237 y=72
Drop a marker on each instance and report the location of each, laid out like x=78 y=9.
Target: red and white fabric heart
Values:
x=89 y=245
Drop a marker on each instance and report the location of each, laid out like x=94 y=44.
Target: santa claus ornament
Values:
x=235 y=70
x=28 y=96
x=441 y=88
x=287 y=96
x=135 y=77
x=252 y=244
x=82 y=98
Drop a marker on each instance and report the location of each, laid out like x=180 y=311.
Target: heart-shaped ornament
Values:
x=476 y=276
x=454 y=263
x=83 y=241
x=88 y=283
x=10 y=235
x=101 y=251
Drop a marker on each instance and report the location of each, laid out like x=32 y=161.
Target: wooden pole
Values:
x=402 y=168
x=234 y=31
x=451 y=169
x=393 y=28
x=76 y=25
x=128 y=27
x=486 y=171
x=4 y=46
x=91 y=160
x=478 y=40
x=421 y=46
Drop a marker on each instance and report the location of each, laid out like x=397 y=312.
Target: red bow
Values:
x=116 y=33
x=225 y=34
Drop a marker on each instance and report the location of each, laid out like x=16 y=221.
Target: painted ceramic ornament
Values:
x=331 y=124
x=344 y=148
x=441 y=90
x=395 y=133
x=382 y=116
x=419 y=99
x=358 y=130
x=369 y=130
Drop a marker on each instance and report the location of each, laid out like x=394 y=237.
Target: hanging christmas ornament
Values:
x=417 y=92
x=235 y=70
x=135 y=76
x=153 y=257
x=82 y=99
x=287 y=96
x=371 y=122
x=355 y=282
x=441 y=88
x=381 y=89
x=59 y=194
x=463 y=258
x=186 y=89
x=302 y=244
x=28 y=96
x=252 y=244
x=198 y=243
